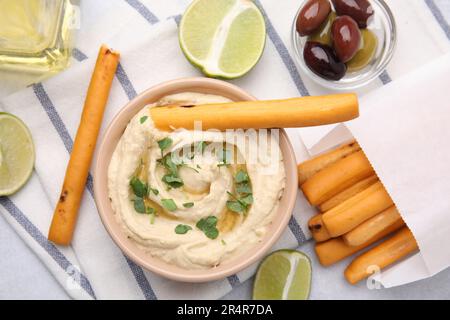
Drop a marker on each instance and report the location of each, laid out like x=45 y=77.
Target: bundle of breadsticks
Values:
x=355 y=213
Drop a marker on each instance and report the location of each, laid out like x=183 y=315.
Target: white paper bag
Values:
x=404 y=129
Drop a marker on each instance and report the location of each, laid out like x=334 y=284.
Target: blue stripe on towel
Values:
x=297 y=230
x=385 y=77
x=78 y=55
x=177 y=19
x=57 y=122
x=49 y=247
x=284 y=53
x=53 y=115
x=60 y=127
x=120 y=74
x=234 y=281
x=125 y=82
x=139 y=274
x=143 y=11
x=439 y=17
x=293 y=71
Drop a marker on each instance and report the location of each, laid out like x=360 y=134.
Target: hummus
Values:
x=194 y=198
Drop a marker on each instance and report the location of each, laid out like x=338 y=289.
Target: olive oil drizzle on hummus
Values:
x=227 y=220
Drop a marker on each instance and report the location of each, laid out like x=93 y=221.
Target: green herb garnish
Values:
x=201 y=223
x=210 y=221
x=169 y=204
x=208 y=226
x=172 y=180
x=236 y=206
x=164 y=144
x=247 y=200
x=154 y=191
x=182 y=229
x=188 y=204
x=139 y=205
x=241 y=176
x=139 y=188
x=168 y=163
x=243 y=188
x=232 y=195
x=142 y=119
x=244 y=197
x=212 y=233
x=152 y=212
x=223 y=242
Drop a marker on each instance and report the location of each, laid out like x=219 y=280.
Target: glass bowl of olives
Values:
x=343 y=44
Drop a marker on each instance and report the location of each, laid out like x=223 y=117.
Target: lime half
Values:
x=16 y=154
x=283 y=275
x=223 y=38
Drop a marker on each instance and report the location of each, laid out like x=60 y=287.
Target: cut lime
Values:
x=283 y=275
x=223 y=38
x=16 y=154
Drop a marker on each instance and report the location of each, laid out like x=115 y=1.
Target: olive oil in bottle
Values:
x=35 y=35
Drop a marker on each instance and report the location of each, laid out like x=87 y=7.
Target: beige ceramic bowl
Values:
x=107 y=146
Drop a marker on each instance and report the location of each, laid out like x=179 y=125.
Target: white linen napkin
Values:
x=52 y=111
x=145 y=32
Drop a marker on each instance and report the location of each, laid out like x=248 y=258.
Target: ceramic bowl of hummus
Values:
x=193 y=205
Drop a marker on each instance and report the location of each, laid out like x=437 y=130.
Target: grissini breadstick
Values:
x=310 y=167
x=347 y=193
x=318 y=230
x=66 y=211
x=374 y=225
x=334 y=250
x=337 y=177
x=357 y=209
x=391 y=250
x=289 y=113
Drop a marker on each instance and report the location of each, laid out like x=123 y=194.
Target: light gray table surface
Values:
x=23 y=276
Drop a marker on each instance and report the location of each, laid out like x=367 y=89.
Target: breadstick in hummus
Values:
x=334 y=250
x=357 y=209
x=374 y=225
x=288 y=113
x=66 y=211
x=391 y=250
x=337 y=177
x=310 y=167
x=347 y=193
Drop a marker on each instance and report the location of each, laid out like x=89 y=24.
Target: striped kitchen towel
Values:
x=145 y=32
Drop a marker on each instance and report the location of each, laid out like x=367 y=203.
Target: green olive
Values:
x=364 y=55
x=323 y=34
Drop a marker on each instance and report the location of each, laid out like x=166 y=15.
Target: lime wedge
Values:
x=283 y=275
x=16 y=154
x=223 y=38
